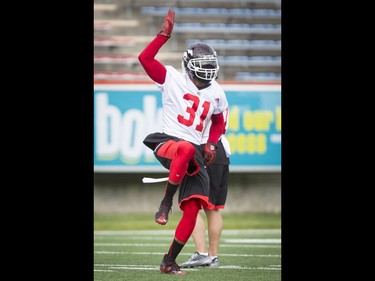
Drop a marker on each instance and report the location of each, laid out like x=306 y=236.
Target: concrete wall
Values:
x=125 y=193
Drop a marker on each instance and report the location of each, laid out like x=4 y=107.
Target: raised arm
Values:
x=154 y=69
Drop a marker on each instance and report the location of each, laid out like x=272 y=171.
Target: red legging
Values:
x=180 y=153
x=186 y=225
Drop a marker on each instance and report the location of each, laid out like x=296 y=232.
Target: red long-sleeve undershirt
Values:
x=217 y=128
x=154 y=69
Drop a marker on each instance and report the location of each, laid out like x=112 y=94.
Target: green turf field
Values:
x=130 y=247
x=146 y=221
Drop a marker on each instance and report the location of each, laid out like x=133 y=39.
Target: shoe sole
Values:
x=161 y=222
x=192 y=266
x=195 y=265
x=174 y=272
x=163 y=270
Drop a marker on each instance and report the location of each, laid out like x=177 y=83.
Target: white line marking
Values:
x=151 y=267
x=187 y=245
x=139 y=268
x=181 y=254
x=266 y=240
x=171 y=232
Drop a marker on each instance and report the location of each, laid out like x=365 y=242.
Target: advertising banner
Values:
x=125 y=114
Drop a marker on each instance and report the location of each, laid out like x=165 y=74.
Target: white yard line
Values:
x=171 y=232
x=151 y=267
x=181 y=254
x=248 y=241
x=223 y=245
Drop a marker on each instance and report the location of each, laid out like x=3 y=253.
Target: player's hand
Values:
x=209 y=153
x=168 y=24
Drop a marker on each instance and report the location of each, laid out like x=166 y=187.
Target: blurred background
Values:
x=246 y=35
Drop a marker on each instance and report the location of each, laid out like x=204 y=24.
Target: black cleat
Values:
x=170 y=267
x=161 y=216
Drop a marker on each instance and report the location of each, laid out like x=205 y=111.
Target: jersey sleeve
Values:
x=222 y=104
x=218 y=123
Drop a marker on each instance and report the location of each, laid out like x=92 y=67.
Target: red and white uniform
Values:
x=187 y=111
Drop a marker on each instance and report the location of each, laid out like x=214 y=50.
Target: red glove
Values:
x=209 y=153
x=168 y=24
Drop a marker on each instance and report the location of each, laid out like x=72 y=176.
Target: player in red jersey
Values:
x=190 y=100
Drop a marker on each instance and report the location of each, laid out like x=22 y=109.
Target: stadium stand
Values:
x=105 y=7
x=256 y=16
x=242 y=45
x=246 y=76
x=120 y=75
x=245 y=33
x=253 y=4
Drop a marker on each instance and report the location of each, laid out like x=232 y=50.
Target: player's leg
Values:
x=215 y=227
x=178 y=154
x=183 y=232
x=199 y=235
x=200 y=256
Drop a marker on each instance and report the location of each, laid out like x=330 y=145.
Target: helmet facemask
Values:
x=200 y=62
x=205 y=68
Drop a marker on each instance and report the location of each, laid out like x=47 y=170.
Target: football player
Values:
x=190 y=100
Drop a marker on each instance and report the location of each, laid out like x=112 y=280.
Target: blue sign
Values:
x=125 y=114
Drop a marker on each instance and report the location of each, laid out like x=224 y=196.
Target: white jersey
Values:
x=186 y=109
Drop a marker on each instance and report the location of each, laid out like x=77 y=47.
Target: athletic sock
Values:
x=213 y=257
x=204 y=254
x=170 y=190
x=174 y=250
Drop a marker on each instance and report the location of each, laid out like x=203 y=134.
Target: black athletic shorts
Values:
x=196 y=186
